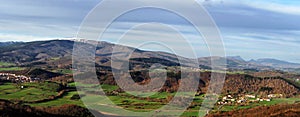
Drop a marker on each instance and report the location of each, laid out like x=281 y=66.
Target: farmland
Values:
x=58 y=89
x=5 y=64
x=38 y=91
x=56 y=93
x=30 y=92
x=11 y=69
x=252 y=105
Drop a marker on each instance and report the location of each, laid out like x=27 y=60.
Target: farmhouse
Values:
x=274 y=95
x=17 y=78
x=228 y=99
x=250 y=96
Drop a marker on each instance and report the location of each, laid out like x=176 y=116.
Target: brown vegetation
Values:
x=245 y=84
x=292 y=110
x=9 y=109
x=234 y=83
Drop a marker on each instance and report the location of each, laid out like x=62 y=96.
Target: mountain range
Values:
x=8 y=43
x=60 y=52
x=275 y=63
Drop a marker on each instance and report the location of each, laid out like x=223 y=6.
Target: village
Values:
x=17 y=78
x=245 y=99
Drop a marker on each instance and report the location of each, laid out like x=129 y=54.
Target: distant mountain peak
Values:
x=9 y=43
x=38 y=51
x=236 y=58
x=276 y=63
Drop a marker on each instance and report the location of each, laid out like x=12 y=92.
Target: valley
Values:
x=47 y=65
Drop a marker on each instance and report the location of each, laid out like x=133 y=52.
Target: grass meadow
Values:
x=37 y=91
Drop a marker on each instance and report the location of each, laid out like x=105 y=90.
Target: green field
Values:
x=73 y=84
x=263 y=103
x=5 y=64
x=30 y=92
x=293 y=81
x=131 y=103
x=66 y=99
x=63 y=71
x=55 y=58
x=12 y=69
x=37 y=91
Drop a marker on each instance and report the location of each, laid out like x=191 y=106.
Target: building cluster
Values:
x=17 y=78
x=229 y=99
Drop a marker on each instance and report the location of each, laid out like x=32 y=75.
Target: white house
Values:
x=250 y=96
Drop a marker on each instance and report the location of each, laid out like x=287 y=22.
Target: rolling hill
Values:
x=45 y=58
x=2 y=44
x=59 y=53
x=276 y=63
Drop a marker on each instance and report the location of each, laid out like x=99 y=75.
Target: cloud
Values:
x=279 y=6
x=43 y=18
x=36 y=29
x=274 y=6
x=254 y=44
x=250 y=28
x=23 y=38
x=135 y=34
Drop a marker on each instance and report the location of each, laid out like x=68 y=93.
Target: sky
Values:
x=251 y=29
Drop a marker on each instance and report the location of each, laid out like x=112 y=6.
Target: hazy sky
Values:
x=250 y=28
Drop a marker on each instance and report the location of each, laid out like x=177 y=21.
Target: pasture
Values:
x=38 y=91
x=30 y=92
x=11 y=68
x=6 y=64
